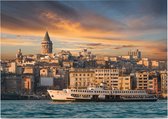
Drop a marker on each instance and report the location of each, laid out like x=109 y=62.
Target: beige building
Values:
x=13 y=67
x=153 y=85
x=144 y=62
x=163 y=76
x=124 y=83
x=142 y=80
x=28 y=84
x=109 y=76
x=81 y=78
x=12 y=84
x=154 y=63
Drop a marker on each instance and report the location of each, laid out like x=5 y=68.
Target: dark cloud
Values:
x=26 y=14
x=125 y=46
x=163 y=49
x=138 y=7
x=91 y=20
x=94 y=44
x=103 y=38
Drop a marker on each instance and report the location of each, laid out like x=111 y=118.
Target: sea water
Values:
x=49 y=109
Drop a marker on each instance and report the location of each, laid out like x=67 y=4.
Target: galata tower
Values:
x=46 y=45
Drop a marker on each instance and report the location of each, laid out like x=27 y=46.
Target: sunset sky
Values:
x=109 y=28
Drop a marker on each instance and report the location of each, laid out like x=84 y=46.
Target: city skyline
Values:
x=109 y=28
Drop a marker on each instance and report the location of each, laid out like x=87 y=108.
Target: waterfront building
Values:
x=12 y=84
x=28 y=84
x=153 y=84
x=124 y=83
x=81 y=78
x=46 y=45
x=163 y=76
x=109 y=76
x=57 y=77
x=46 y=81
x=142 y=78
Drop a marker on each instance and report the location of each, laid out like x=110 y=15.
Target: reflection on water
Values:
x=59 y=102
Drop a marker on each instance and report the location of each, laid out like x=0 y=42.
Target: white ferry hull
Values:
x=67 y=95
x=60 y=96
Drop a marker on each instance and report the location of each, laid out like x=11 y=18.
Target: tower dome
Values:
x=46 y=44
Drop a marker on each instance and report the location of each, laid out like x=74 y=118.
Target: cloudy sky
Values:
x=104 y=27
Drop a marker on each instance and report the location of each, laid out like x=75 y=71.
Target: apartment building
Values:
x=124 y=83
x=142 y=78
x=81 y=78
x=109 y=76
x=163 y=76
x=153 y=85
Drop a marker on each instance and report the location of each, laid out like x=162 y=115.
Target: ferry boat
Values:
x=100 y=94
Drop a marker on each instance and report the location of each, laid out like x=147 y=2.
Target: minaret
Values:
x=46 y=45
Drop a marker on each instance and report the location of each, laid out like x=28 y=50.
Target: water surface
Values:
x=49 y=109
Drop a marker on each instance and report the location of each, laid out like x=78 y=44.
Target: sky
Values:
x=107 y=28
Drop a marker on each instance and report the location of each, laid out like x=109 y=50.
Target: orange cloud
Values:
x=17 y=42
